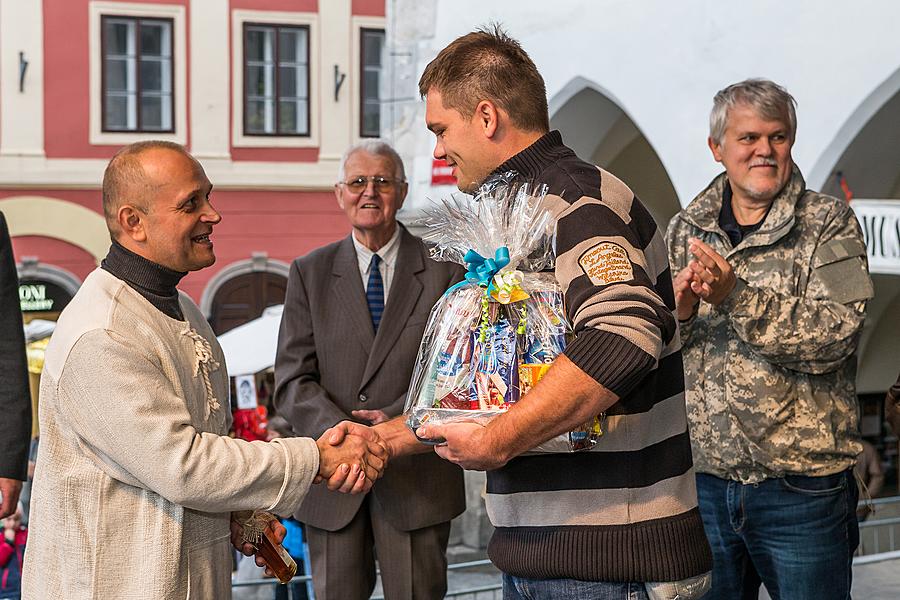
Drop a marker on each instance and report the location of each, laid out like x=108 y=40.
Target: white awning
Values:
x=38 y=329
x=250 y=348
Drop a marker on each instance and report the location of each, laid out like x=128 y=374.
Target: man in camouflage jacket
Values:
x=771 y=291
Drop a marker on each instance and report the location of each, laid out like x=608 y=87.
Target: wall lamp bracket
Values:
x=338 y=81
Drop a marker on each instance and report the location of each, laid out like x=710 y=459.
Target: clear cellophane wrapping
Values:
x=482 y=352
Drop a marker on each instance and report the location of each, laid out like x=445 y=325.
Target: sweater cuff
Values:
x=734 y=298
x=613 y=361
x=690 y=319
x=301 y=465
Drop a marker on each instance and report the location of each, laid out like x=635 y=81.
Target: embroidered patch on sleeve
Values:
x=606 y=263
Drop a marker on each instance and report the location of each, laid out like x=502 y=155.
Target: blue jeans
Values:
x=517 y=588
x=796 y=535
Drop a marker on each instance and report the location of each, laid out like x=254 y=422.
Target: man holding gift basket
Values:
x=619 y=519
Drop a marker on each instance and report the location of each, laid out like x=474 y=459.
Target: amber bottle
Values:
x=259 y=533
x=279 y=561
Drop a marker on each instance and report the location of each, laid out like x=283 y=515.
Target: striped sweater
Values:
x=627 y=510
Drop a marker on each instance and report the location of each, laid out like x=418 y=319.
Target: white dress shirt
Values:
x=388 y=255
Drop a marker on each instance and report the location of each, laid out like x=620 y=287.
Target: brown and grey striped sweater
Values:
x=627 y=510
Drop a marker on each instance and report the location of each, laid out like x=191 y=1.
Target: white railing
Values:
x=879 y=535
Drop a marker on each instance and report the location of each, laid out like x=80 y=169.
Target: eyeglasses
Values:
x=382 y=184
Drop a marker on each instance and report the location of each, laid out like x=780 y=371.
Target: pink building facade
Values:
x=267 y=94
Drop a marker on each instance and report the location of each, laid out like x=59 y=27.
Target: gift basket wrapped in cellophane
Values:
x=490 y=338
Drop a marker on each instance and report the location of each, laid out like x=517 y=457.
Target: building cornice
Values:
x=33 y=172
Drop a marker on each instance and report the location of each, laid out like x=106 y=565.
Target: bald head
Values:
x=127 y=181
x=156 y=198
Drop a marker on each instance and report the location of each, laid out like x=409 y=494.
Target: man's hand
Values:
x=713 y=276
x=247 y=549
x=399 y=439
x=9 y=489
x=465 y=445
x=346 y=479
x=360 y=454
x=686 y=300
x=374 y=417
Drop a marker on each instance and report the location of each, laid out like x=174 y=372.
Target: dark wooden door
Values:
x=244 y=298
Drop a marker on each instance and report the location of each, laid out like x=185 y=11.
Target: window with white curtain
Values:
x=137 y=76
x=276 y=80
x=372 y=48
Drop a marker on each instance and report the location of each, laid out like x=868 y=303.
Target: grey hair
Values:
x=378 y=148
x=771 y=101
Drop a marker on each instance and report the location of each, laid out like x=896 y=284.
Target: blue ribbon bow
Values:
x=481 y=270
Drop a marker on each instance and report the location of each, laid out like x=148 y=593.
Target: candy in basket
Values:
x=491 y=338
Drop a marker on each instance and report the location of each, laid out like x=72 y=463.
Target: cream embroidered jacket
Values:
x=136 y=476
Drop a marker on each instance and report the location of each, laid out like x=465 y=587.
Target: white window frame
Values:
x=238 y=19
x=133 y=65
x=360 y=23
x=97 y=9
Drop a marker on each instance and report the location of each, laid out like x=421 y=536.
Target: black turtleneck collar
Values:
x=531 y=161
x=154 y=282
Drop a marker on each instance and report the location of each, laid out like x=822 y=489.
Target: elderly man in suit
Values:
x=353 y=319
x=15 y=403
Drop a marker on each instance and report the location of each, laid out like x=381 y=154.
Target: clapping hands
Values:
x=708 y=276
x=351 y=458
x=713 y=276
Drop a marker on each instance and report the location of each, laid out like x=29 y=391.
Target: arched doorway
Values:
x=243 y=290
x=44 y=289
x=866 y=153
x=596 y=126
x=57 y=219
x=34 y=252
x=244 y=298
x=865 y=148
x=870 y=163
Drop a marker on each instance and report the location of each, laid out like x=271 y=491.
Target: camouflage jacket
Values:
x=771 y=372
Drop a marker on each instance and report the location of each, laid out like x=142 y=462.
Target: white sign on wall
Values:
x=880 y=221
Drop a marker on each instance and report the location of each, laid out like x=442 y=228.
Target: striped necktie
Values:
x=375 y=291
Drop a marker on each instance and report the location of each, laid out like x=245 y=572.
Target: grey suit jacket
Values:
x=330 y=362
x=15 y=402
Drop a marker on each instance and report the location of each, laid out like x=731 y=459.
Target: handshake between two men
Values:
x=351 y=458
